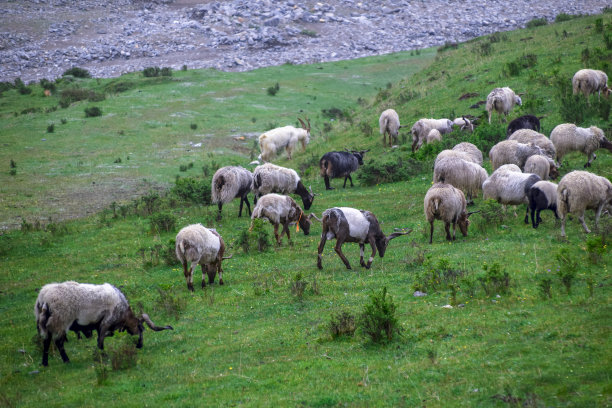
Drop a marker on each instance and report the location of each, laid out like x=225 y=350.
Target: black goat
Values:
x=340 y=164
x=523 y=122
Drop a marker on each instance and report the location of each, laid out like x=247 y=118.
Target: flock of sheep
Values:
x=522 y=166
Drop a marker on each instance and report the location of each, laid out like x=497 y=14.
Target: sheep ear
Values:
x=472 y=212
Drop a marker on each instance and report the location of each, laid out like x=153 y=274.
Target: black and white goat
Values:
x=352 y=225
x=542 y=196
x=340 y=164
x=523 y=122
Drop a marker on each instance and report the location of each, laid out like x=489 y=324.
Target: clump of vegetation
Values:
x=185 y=167
x=151 y=72
x=273 y=90
x=193 y=126
x=596 y=248
x=298 y=286
x=342 y=324
x=536 y=22
x=77 y=72
x=437 y=277
x=545 y=286
x=21 y=87
x=492 y=214
x=568 y=268
x=47 y=85
x=163 y=222
x=484 y=49
x=389 y=170
x=257 y=236
x=334 y=113
x=169 y=301
x=494 y=280
x=93 y=111
x=514 y=68
x=192 y=189
x=378 y=320
x=561 y=17
x=50 y=128
x=123 y=356
x=309 y=33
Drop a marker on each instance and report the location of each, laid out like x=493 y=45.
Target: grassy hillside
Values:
x=530 y=318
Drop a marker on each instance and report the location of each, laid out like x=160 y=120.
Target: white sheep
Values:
x=447 y=203
x=433 y=136
x=422 y=127
x=231 y=182
x=473 y=152
x=588 y=81
x=568 y=137
x=509 y=186
x=579 y=191
x=542 y=196
x=464 y=123
x=81 y=306
x=502 y=100
x=286 y=137
x=531 y=136
x=196 y=244
x=462 y=174
x=389 y=124
x=270 y=178
x=281 y=209
x=512 y=152
x=543 y=166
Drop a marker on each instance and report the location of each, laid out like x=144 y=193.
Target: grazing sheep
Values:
x=460 y=173
x=281 y=209
x=433 y=136
x=512 y=152
x=196 y=244
x=588 y=81
x=542 y=196
x=523 y=122
x=473 y=152
x=231 y=182
x=340 y=164
x=351 y=225
x=531 y=136
x=269 y=178
x=422 y=127
x=389 y=124
x=568 y=137
x=447 y=203
x=70 y=305
x=579 y=191
x=509 y=186
x=543 y=166
x=286 y=137
x=464 y=123
x=502 y=100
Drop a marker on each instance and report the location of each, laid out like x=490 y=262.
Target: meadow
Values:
x=514 y=316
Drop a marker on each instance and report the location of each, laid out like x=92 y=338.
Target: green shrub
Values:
x=484 y=49
x=119 y=85
x=192 y=189
x=342 y=324
x=389 y=170
x=50 y=128
x=169 y=301
x=93 y=112
x=77 y=72
x=168 y=253
x=163 y=222
x=272 y=90
x=123 y=355
x=257 y=234
x=564 y=17
x=21 y=87
x=492 y=214
x=568 y=268
x=599 y=26
x=440 y=276
x=494 y=280
x=150 y=72
x=166 y=71
x=298 y=286
x=334 y=113
x=309 y=33
x=69 y=96
x=48 y=85
x=545 y=286
x=378 y=320
x=536 y=22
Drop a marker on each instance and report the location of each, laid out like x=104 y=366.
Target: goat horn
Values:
x=227 y=257
x=149 y=322
x=302 y=123
x=398 y=234
x=310 y=189
x=312 y=215
x=472 y=212
x=308 y=120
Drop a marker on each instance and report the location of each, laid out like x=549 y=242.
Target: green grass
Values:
x=251 y=342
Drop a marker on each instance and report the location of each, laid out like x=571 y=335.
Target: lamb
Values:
x=568 y=137
x=579 y=191
x=389 y=124
x=531 y=136
x=196 y=244
x=269 y=178
x=231 y=182
x=509 y=186
x=473 y=152
x=523 y=122
x=588 y=81
x=542 y=196
x=422 y=127
x=502 y=100
x=543 y=166
x=447 y=203
x=70 y=305
x=340 y=164
x=460 y=173
x=283 y=137
x=464 y=123
x=351 y=225
x=433 y=136
x=512 y=152
x=281 y=209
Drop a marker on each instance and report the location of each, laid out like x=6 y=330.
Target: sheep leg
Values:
x=46 y=345
x=327 y=186
x=414 y=143
x=278 y=238
x=447 y=229
x=286 y=230
x=563 y=226
x=204 y=268
x=431 y=231
x=535 y=220
x=220 y=205
x=190 y=275
x=321 y=246
x=373 y=245
x=244 y=199
x=361 y=250
x=59 y=343
x=288 y=149
x=220 y=272
x=338 y=249
x=350 y=179
x=598 y=213
x=527 y=215
x=581 y=219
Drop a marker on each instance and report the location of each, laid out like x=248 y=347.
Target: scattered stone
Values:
x=34 y=372
x=418 y=293
x=447 y=307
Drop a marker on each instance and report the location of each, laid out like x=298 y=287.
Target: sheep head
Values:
x=518 y=100
x=464 y=222
x=304 y=222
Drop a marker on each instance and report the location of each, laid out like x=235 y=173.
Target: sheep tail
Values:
x=565 y=198
x=43 y=314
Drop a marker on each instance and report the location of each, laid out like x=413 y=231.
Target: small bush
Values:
x=257 y=235
x=495 y=279
x=342 y=324
x=163 y=222
x=93 y=112
x=150 y=72
x=170 y=302
x=194 y=190
x=273 y=90
x=13 y=172
x=168 y=253
x=309 y=33
x=333 y=113
x=193 y=126
x=64 y=121
x=564 y=17
x=118 y=86
x=50 y=128
x=298 y=286
x=378 y=320
x=568 y=268
x=21 y=87
x=124 y=355
x=149 y=203
x=491 y=213
x=484 y=49
x=366 y=128
x=437 y=277
x=497 y=37
x=184 y=68
x=166 y=72
x=47 y=85
x=545 y=286
x=536 y=22
x=599 y=26
x=389 y=170
x=77 y=72
x=13 y=164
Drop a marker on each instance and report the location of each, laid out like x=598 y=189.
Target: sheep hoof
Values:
x=220 y=281
x=330 y=188
x=190 y=287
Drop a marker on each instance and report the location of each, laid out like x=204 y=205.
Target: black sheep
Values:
x=340 y=164
x=523 y=122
